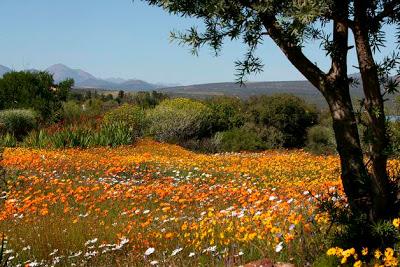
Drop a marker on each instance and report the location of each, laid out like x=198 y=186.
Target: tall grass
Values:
x=110 y=134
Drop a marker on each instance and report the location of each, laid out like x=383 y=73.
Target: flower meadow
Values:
x=156 y=204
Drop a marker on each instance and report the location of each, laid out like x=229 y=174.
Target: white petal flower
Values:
x=149 y=251
x=279 y=247
x=176 y=251
x=154 y=263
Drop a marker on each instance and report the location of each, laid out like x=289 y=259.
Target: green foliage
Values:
x=130 y=115
x=37 y=139
x=250 y=137
x=33 y=90
x=227 y=113
x=93 y=107
x=71 y=112
x=115 y=134
x=8 y=140
x=238 y=139
x=321 y=140
x=287 y=113
x=144 y=100
x=178 y=120
x=17 y=122
x=111 y=134
x=394 y=133
x=353 y=227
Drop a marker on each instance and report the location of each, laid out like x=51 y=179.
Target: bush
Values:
x=227 y=113
x=71 y=112
x=321 y=140
x=394 y=132
x=132 y=116
x=250 y=137
x=179 y=120
x=33 y=90
x=17 y=122
x=289 y=114
x=237 y=140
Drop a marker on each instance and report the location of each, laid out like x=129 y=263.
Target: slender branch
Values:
x=388 y=9
x=294 y=53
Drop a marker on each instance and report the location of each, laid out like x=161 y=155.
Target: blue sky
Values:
x=124 y=39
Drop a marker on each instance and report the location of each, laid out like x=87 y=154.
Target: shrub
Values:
x=237 y=139
x=394 y=132
x=227 y=113
x=132 y=116
x=289 y=114
x=250 y=137
x=321 y=140
x=71 y=112
x=17 y=122
x=33 y=90
x=178 y=120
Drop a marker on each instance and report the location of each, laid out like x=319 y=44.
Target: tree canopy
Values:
x=35 y=90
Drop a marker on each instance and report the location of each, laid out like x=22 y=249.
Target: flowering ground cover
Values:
x=158 y=204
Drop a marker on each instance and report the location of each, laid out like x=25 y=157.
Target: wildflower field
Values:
x=158 y=204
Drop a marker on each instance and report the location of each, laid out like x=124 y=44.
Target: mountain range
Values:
x=303 y=89
x=86 y=80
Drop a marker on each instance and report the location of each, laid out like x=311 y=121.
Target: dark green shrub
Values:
x=227 y=113
x=289 y=114
x=238 y=139
x=250 y=137
x=271 y=137
x=394 y=132
x=33 y=90
x=179 y=120
x=321 y=140
x=17 y=122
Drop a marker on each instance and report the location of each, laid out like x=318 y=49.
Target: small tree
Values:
x=35 y=90
x=290 y=23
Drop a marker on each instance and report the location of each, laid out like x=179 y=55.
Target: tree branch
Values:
x=388 y=9
x=294 y=53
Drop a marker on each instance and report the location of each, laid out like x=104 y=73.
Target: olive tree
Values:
x=290 y=24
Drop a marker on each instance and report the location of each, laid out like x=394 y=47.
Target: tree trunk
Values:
x=354 y=175
x=383 y=200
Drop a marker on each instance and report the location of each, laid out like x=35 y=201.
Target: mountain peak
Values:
x=61 y=72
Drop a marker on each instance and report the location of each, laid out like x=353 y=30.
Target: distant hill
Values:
x=303 y=89
x=85 y=80
x=4 y=70
x=61 y=72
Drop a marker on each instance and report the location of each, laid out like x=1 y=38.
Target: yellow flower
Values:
x=396 y=222
x=364 y=251
x=378 y=254
x=331 y=252
x=389 y=252
x=358 y=263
